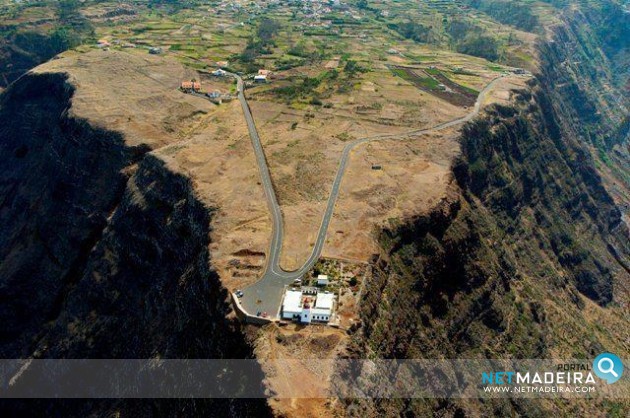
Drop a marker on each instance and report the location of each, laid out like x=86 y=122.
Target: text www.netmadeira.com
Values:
x=538 y=389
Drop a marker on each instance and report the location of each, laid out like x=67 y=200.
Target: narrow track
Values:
x=266 y=294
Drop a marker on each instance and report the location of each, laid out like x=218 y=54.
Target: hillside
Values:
x=105 y=245
x=529 y=256
x=131 y=209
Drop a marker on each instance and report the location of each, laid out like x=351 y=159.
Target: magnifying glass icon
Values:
x=610 y=369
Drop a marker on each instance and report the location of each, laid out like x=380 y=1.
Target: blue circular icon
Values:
x=608 y=366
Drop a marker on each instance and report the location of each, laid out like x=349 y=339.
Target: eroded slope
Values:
x=106 y=244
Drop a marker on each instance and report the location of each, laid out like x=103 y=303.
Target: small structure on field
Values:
x=217 y=97
x=322 y=280
x=191 y=86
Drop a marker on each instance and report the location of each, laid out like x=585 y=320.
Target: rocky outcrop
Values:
x=103 y=252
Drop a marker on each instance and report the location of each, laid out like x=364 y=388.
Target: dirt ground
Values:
x=304 y=143
x=298 y=362
x=137 y=94
x=414 y=177
x=501 y=93
x=210 y=144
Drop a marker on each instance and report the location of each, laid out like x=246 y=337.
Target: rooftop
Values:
x=292 y=301
x=325 y=300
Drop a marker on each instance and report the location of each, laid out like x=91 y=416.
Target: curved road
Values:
x=266 y=294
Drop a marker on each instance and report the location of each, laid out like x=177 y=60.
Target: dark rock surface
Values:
x=103 y=254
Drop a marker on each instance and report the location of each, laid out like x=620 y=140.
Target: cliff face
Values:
x=57 y=193
x=586 y=73
x=531 y=215
x=103 y=251
x=528 y=258
x=22 y=51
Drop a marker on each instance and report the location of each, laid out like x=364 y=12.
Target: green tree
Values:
x=480 y=46
x=351 y=67
x=63 y=38
x=67 y=10
x=267 y=29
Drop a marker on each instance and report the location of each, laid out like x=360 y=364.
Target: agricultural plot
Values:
x=434 y=82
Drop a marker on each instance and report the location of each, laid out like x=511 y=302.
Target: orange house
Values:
x=191 y=86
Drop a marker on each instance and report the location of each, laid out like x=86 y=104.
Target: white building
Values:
x=260 y=79
x=322 y=280
x=307 y=308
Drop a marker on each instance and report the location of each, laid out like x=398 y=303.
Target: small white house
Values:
x=260 y=78
x=322 y=280
x=219 y=73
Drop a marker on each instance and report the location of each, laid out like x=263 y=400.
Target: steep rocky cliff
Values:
x=103 y=252
x=529 y=257
x=586 y=73
x=49 y=162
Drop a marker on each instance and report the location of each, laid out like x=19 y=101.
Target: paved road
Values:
x=266 y=294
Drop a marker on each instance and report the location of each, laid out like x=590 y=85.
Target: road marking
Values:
x=273 y=270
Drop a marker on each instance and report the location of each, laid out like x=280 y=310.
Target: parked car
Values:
x=239 y=293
